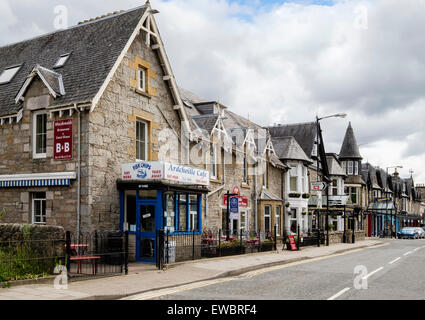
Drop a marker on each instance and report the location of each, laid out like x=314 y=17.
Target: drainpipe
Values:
x=255 y=199
x=79 y=172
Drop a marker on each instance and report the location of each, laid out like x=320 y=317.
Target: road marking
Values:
x=395 y=260
x=372 y=273
x=409 y=252
x=339 y=294
x=177 y=289
x=416 y=249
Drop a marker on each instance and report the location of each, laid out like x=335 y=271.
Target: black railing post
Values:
x=353 y=235
x=259 y=241
x=68 y=251
x=298 y=239
x=240 y=244
x=126 y=252
x=219 y=242
x=168 y=255
x=193 y=244
x=275 y=238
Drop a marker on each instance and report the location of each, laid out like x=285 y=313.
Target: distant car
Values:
x=421 y=232
x=409 y=233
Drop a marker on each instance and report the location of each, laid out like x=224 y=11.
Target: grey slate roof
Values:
x=334 y=166
x=287 y=148
x=368 y=173
x=95 y=47
x=304 y=134
x=206 y=122
x=350 y=148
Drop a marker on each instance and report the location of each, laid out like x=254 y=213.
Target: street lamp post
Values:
x=338 y=115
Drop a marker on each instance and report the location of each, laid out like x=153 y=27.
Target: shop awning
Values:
x=37 y=179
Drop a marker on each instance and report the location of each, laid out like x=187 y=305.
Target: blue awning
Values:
x=37 y=180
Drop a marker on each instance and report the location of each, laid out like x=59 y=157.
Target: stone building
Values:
x=93 y=131
x=241 y=159
x=354 y=186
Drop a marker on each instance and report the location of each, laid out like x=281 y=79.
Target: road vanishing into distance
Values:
x=394 y=270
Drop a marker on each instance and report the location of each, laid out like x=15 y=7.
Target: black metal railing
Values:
x=98 y=253
x=177 y=247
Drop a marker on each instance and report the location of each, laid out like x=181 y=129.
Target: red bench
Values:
x=79 y=259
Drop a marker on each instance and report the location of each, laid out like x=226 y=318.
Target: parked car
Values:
x=409 y=233
x=421 y=233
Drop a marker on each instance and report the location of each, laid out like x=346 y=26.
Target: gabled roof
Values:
x=206 y=122
x=304 y=133
x=350 y=148
x=287 y=148
x=368 y=173
x=51 y=79
x=95 y=48
x=334 y=166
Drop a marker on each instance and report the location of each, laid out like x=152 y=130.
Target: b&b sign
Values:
x=63 y=139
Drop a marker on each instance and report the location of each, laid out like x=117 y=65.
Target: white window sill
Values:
x=39 y=156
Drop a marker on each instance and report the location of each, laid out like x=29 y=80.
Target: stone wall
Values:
x=337 y=236
x=47 y=241
x=16 y=157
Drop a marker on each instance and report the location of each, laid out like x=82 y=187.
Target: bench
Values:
x=79 y=259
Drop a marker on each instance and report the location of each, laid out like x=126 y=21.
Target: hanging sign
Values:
x=63 y=139
x=234 y=205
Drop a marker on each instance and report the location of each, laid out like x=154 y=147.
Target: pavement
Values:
x=144 y=278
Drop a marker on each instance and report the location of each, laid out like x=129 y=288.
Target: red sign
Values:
x=236 y=190
x=292 y=243
x=63 y=134
x=243 y=201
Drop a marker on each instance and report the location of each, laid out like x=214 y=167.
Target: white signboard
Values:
x=142 y=170
x=318 y=186
x=157 y=170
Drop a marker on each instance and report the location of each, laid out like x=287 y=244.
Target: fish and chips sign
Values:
x=157 y=170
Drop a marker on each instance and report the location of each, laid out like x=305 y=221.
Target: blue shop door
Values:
x=149 y=221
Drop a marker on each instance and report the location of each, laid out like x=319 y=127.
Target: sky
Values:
x=286 y=62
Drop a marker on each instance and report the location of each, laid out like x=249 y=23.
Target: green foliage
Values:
x=20 y=261
x=231 y=244
x=2 y=212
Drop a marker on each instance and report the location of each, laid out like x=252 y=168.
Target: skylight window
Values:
x=7 y=75
x=62 y=60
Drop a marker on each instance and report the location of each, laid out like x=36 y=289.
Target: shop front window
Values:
x=182 y=212
x=169 y=212
x=193 y=212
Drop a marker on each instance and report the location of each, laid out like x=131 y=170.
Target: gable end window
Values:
x=39 y=135
x=141 y=79
x=141 y=140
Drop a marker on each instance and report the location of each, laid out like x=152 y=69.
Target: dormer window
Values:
x=7 y=75
x=142 y=80
x=62 y=60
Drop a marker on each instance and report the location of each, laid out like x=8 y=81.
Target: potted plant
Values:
x=304 y=213
x=294 y=195
x=306 y=195
x=287 y=204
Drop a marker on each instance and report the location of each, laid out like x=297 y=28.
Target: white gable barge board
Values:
x=163 y=57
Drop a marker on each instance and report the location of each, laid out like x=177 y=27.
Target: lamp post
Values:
x=395 y=209
x=319 y=130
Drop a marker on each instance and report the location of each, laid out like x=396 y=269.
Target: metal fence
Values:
x=99 y=253
x=210 y=243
